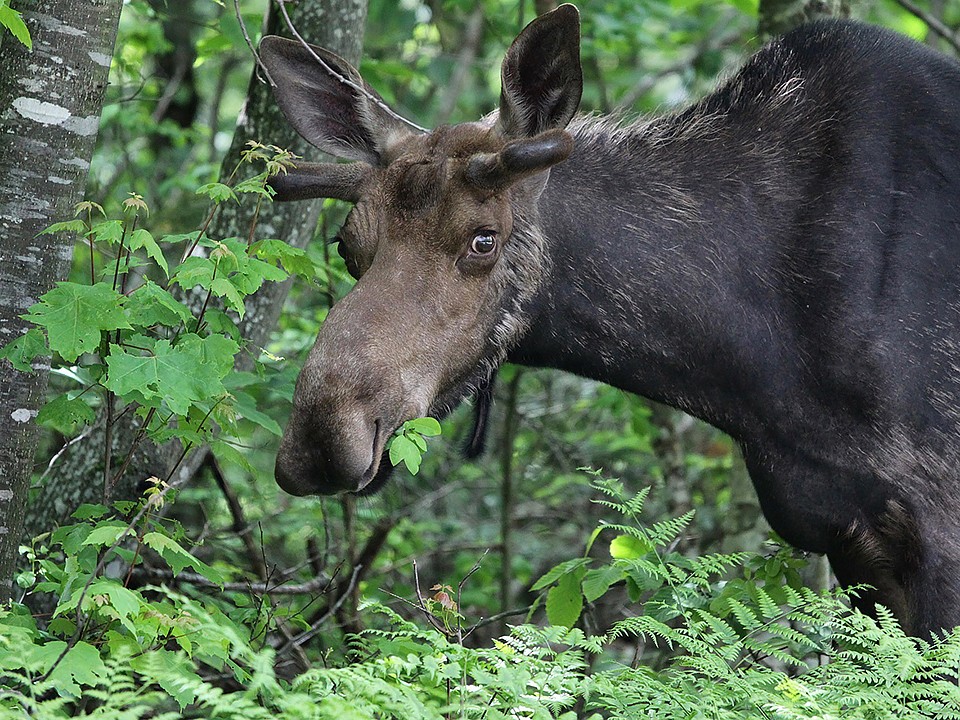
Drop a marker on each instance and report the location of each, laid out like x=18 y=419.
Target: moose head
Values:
x=443 y=240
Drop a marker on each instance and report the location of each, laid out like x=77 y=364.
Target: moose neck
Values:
x=664 y=241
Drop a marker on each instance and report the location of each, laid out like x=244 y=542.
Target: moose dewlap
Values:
x=781 y=259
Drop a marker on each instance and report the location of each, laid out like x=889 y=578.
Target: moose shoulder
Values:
x=781 y=259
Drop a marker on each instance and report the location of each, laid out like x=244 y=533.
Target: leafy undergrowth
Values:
x=756 y=646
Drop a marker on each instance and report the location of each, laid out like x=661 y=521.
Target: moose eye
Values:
x=484 y=242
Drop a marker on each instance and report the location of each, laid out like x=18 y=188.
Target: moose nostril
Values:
x=328 y=453
x=379 y=445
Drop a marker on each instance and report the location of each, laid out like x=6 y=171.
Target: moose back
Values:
x=781 y=259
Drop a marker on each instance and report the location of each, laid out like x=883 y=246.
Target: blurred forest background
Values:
x=178 y=82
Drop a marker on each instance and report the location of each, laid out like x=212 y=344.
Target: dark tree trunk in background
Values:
x=50 y=102
x=337 y=25
x=180 y=100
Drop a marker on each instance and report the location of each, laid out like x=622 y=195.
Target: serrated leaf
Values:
x=565 y=600
x=222 y=287
x=25 y=349
x=105 y=535
x=172 y=672
x=75 y=226
x=225 y=452
x=294 y=260
x=226 y=254
x=179 y=377
x=80 y=667
x=265 y=270
x=218 y=192
x=217 y=350
x=89 y=511
x=108 y=231
x=194 y=271
x=142 y=239
x=151 y=305
x=254 y=185
x=12 y=21
x=73 y=316
x=246 y=408
x=63 y=413
x=177 y=557
x=125 y=602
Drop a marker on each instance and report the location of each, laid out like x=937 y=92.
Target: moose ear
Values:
x=334 y=111
x=541 y=76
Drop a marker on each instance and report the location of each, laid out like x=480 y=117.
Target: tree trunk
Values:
x=50 y=102
x=337 y=25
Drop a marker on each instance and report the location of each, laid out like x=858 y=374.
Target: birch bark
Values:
x=50 y=102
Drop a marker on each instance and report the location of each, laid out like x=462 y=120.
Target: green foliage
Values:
x=143 y=348
x=408 y=443
x=753 y=647
x=12 y=21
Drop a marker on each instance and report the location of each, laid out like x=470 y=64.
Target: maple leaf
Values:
x=74 y=315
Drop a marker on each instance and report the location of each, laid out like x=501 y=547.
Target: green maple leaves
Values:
x=180 y=376
x=74 y=315
x=157 y=373
x=125 y=337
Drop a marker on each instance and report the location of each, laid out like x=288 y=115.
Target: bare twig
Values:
x=253 y=50
x=506 y=488
x=318 y=584
x=468 y=53
x=240 y=524
x=300 y=639
x=87 y=431
x=933 y=22
x=646 y=85
x=483 y=622
x=463 y=581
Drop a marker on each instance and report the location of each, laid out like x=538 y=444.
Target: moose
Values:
x=780 y=259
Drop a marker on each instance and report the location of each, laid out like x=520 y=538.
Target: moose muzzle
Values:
x=358 y=385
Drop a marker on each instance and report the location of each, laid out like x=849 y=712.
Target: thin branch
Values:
x=464 y=62
x=647 y=84
x=82 y=436
x=240 y=524
x=253 y=50
x=300 y=639
x=318 y=584
x=463 y=581
x=933 y=22
x=483 y=622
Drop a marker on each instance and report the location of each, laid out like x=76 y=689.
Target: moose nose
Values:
x=317 y=460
